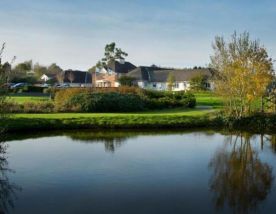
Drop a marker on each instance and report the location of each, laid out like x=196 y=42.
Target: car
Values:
x=64 y=85
x=45 y=85
x=8 y=85
x=19 y=85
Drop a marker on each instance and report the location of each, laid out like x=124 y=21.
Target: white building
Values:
x=156 y=78
x=45 y=78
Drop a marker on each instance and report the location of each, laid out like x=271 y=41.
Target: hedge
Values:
x=122 y=99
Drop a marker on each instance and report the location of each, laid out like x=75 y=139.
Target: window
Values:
x=176 y=85
x=154 y=85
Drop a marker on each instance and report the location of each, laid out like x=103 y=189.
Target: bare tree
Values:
x=170 y=81
x=5 y=70
x=60 y=77
x=71 y=76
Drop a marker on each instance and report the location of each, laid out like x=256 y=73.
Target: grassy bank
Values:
x=27 y=99
x=176 y=118
x=208 y=99
x=170 y=118
x=201 y=117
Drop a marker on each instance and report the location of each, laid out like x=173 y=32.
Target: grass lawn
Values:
x=23 y=99
x=201 y=116
x=203 y=99
x=162 y=113
x=208 y=99
x=175 y=118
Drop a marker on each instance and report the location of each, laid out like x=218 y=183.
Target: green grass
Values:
x=24 y=99
x=169 y=118
x=208 y=99
x=169 y=112
x=176 y=118
x=203 y=99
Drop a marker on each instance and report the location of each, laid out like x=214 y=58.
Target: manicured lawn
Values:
x=203 y=99
x=201 y=116
x=176 y=118
x=168 y=112
x=208 y=99
x=23 y=99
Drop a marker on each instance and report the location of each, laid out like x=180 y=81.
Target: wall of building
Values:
x=162 y=86
x=110 y=79
x=76 y=85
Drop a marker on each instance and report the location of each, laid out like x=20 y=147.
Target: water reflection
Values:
x=240 y=179
x=111 y=140
x=272 y=140
x=7 y=189
x=240 y=176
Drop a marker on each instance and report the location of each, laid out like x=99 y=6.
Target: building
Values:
x=108 y=75
x=73 y=78
x=157 y=78
x=45 y=78
x=77 y=78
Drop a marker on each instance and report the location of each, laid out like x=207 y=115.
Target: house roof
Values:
x=118 y=67
x=143 y=72
x=154 y=74
x=79 y=76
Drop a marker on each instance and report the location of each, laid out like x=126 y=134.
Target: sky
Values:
x=171 y=33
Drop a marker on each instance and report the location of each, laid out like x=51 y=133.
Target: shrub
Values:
x=151 y=94
x=41 y=107
x=29 y=107
x=188 y=100
x=12 y=107
x=63 y=96
x=106 y=102
x=47 y=91
x=84 y=99
x=161 y=100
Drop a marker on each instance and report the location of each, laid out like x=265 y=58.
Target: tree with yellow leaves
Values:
x=243 y=71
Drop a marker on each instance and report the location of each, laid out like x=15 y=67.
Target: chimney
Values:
x=122 y=61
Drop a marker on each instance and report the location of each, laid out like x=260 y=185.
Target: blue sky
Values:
x=175 y=33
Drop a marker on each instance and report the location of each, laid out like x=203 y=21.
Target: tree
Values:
x=60 y=77
x=170 y=81
x=126 y=81
x=92 y=69
x=4 y=72
x=7 y=189
x=199 y=83
x=24 y=66
x=243 y=71
x=71 y=76
x=54 y=69
x=40 y=70
x=111 y=53
x=19 y=72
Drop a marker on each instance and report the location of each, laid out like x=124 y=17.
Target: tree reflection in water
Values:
x=7 y=189
x=240 y=179
x=272 y=140
x=111 y=140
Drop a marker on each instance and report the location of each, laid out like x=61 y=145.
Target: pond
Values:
x=138 y=172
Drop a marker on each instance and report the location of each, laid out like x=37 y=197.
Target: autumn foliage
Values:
x=243 y=73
